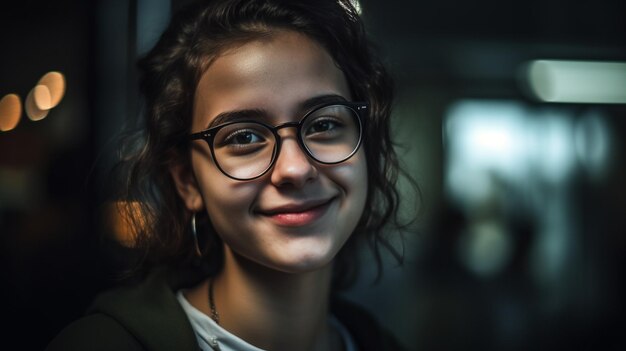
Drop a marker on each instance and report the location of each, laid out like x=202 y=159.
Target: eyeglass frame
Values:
x=208 y=135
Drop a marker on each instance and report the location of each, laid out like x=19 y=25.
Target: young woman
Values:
x=265 y=159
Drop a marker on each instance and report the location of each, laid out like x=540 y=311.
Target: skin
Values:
x=273 y=290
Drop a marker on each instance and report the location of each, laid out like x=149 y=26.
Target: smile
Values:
x=296 y=215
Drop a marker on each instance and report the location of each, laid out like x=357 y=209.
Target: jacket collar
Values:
x=150 y=310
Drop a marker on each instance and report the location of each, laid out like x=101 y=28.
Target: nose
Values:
x=292 y=166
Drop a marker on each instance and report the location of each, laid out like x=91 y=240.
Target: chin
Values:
x=304 y=262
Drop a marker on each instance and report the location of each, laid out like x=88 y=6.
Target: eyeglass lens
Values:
x=245 y=150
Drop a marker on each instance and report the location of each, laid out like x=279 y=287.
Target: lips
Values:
x=297 y=214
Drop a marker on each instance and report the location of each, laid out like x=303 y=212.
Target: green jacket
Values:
x=148 y=317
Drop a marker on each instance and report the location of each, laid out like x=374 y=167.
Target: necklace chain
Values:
x=214 y=315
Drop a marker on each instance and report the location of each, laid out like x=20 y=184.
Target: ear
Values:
x=187 y=186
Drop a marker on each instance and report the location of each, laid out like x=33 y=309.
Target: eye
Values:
x=243 y=137
x=323 y=125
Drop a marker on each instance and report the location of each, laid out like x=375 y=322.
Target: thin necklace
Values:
x=214 y=315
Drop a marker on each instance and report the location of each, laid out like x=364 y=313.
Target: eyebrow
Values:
x=238 y=115
x=247 y=114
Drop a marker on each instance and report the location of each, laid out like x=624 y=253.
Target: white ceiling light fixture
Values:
x=577 y=81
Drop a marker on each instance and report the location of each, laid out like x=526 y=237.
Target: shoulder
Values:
x=364 y=328
x=94 y=332
x=142 y=316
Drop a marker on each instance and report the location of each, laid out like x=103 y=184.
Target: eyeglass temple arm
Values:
x=199 y=135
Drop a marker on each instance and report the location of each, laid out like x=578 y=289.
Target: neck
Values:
x=270 y=309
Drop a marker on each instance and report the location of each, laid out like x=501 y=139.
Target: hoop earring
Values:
x=194 y=233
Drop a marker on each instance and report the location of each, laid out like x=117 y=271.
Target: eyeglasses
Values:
x=245 y=150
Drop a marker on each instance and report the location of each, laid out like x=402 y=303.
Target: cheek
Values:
x=358 y=172
x=224 y=199
x=228 y=207
x=352 y=178
x=360 y=184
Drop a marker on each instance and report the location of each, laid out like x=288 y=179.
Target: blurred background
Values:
x=509 y=115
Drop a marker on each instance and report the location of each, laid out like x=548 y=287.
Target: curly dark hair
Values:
x=169 y=74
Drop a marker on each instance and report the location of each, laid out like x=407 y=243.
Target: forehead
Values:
x=274 y=73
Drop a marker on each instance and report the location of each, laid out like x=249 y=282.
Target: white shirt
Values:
x=211 y=336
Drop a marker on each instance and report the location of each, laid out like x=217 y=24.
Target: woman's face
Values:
x=297 y=216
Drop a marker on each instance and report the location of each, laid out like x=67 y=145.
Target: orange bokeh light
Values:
x=42 y=97
x=10 y=112
x=32 y=110
x=55 y=82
